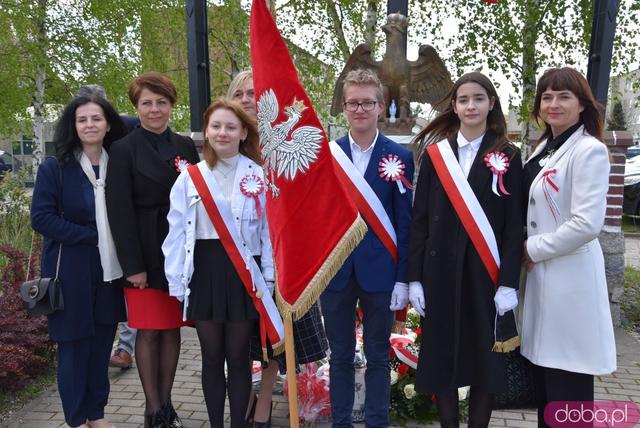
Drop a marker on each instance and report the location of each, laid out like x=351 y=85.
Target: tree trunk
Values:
x=529 y=69
x=271 y=5
x=371 y=23
x=336 y=22
x=37 y=102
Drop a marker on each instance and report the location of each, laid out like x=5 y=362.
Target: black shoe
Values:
x=156 y=420
x=248 y=423
x=449 y=424
x=267 y=424
x=172 y=420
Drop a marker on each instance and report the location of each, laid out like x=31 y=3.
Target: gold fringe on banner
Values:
x=323 y=276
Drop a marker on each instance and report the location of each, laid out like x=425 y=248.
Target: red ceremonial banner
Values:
x=313 y=223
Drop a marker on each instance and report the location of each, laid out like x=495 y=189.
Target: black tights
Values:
x=157 y=353
x=228 y=341
x=480 y=406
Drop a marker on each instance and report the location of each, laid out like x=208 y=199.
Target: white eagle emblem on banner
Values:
x=283 y=155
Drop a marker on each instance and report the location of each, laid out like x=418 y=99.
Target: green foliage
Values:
x=520 y=38
x=14 y=211
x=630 y=301
x=86 y=43
x=617 y=121
x=14 y=214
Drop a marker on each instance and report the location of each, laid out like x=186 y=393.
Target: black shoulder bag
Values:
x=43 y=296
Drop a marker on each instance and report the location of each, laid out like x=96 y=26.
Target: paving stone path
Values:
x=126 y=401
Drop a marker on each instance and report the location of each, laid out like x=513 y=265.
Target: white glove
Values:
x=399 y=297
x=506 y=299
x=416 y=297
x=270 y=286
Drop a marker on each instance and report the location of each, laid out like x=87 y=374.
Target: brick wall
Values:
x=617 y=142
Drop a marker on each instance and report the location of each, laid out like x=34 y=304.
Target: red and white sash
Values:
x=366 y=200
x=467 y=206
x=219 y=211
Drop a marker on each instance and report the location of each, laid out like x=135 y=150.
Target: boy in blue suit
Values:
x=370 y=275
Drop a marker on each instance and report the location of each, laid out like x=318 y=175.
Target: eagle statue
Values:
x=425 y=80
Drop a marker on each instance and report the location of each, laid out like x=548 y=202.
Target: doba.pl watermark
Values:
x=600 y=413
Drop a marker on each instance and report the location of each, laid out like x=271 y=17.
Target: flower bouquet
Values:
x=406 y=404
x=313 y=394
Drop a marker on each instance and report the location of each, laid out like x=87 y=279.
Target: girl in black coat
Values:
x=143 y=167
x=459 y=302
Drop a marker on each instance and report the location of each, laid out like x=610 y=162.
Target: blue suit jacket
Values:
x=87 y=299
x=371 y=263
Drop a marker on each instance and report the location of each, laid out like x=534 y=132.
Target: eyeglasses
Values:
x=352 y=106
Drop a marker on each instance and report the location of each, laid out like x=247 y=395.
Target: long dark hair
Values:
x=66 y=137
x=447 y=124
x=567 y=78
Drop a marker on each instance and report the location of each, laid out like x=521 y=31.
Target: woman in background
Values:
x=68 y=209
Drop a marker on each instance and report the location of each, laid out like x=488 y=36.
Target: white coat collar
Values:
x=553 y=160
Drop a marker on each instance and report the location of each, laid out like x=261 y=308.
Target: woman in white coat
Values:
x=567 y=331
x=217 y=224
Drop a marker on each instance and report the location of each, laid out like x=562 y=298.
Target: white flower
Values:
x=409 y=391
x=394 y=377
x=462 y=393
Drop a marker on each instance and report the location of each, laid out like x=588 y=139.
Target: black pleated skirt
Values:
x=217 y=293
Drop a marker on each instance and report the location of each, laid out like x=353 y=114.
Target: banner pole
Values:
x=290 y=350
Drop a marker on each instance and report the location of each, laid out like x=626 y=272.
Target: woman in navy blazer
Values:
x=64 y=211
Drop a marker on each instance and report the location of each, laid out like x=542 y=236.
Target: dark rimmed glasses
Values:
x=352 y=106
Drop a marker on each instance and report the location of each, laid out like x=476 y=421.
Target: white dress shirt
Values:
x=467 y=152
x=224 y=173
x=360 y=157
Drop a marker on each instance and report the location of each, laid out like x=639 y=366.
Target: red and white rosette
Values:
x=251 y=186
x=400 y=346
x=548 y=184
x=181 y=164
x=498 y=163
x=391 y=168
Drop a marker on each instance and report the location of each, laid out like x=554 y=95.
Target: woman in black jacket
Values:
x=142 y=170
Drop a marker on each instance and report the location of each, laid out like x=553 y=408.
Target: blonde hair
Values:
x=363 y=77
x=238 y=81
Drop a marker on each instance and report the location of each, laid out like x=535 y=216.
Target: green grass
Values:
x=13 y=401
x=630 y=302
x=630 y=225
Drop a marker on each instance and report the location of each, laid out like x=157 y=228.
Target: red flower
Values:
x=433 y=397
x=403 y=369
x=418 y=331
